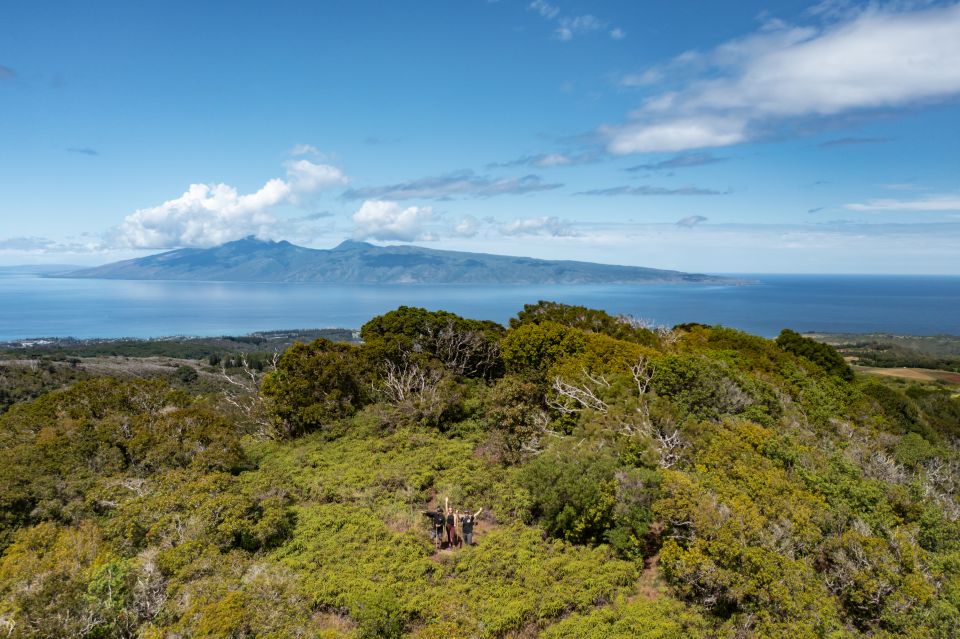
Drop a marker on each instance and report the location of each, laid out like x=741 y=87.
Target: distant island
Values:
x=351 y=262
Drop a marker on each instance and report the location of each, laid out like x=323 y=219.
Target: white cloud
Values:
x=549 y=226
x=385 y=220
x=554 y=159
x=307 y=177
x=303 y=149
x=210 y=214
x=648 y=77
x=570 y=26
x=574 y=25
x=468 y=226
x=675 y=135
x=545 y=9
x=876 y=59
x=931 y=203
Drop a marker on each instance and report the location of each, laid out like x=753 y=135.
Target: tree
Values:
x=586 y=319
x=315 y=384
x=516 y=418
x=823 y=355
x=465 y=347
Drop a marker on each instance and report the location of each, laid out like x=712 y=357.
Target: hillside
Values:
x=252 y=260
x=888 y=350
x=692 y=483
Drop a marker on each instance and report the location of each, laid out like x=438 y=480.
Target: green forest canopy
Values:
x=694 y=482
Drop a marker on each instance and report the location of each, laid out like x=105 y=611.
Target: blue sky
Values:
x=720 y=137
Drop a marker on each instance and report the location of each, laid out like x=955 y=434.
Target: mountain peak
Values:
x=250 y=239
x=347 y=245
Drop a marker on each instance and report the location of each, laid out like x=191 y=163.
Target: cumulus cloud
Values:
x=210 y=214
x=931 y=203
x=384 y=220
x=467 y=226
x=652 y=190
x=679 y=162
x=617 y=33
x=299 y=150
x=548 y=226
x=305 y=177
x=691 y=221
x=877 y=59
x=463 y=183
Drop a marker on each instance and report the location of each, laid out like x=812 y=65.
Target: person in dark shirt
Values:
x=437 y=523
x=451 y=525
x=467 y=521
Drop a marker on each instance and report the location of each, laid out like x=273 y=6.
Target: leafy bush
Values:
x=585 y=319
x=465 y=347
x=640 y=618
x=531 y=349
x=589 y=498
x=515 y=416
x=823 y=355
x=314 y=385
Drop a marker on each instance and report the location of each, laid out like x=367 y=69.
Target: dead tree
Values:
x=243 y=393
x=574 y=399
x=409 y=381
x=465 y=352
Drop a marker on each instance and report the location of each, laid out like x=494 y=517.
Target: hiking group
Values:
x=454 y=525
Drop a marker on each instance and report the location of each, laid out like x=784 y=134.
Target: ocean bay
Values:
x=35 y=306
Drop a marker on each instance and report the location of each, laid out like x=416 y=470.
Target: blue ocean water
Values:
x=35 y=306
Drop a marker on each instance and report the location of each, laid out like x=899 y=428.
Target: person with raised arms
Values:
x=467 y=521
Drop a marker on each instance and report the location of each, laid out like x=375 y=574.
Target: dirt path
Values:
x=648 y=586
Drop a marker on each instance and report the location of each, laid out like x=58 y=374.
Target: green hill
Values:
x=693 y=482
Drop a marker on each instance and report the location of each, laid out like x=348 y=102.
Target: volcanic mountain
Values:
x=351 y=262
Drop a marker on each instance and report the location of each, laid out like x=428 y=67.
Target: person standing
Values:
x=451 y=524
x=467 y=521
x=438 y=522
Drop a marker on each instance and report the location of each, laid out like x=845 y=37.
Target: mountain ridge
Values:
x=355 y=262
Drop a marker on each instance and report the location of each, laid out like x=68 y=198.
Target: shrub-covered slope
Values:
x=693 y=482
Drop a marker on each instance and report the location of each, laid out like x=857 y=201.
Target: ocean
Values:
x=33 y=306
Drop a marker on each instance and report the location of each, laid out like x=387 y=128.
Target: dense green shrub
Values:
x=316 y=384
x=465 y=347
x=641 y=618
x=531 y=349
x=823 y=355
x=589 y=498
x=585 y=319
x=515 y=417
